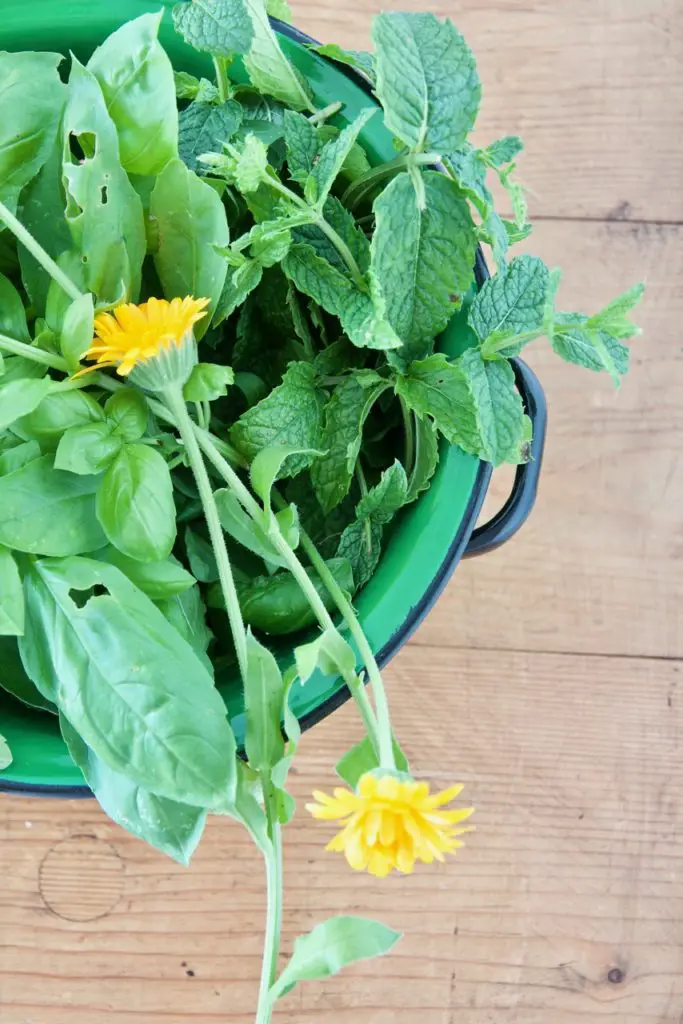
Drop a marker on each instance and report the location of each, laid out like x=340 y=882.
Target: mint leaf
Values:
x=238 y=285
x=303 y=145
x=204 y=127
x=503 y=151
x=498 y=405
x=613 y=318
x=361 y=60
x=362 y=549
x=574 y=341
x=423 y=259
x=436 y=388
x=270 y=243
x=383 y=501
x=290 y=415
x=356 y=164
x=469 y=169
x=267 y=66
x=361 y=320
x=339 y=218
x=345 y=416
x=219 y=27
x=426 y=457
x=427 y=80
x=332 y=157
x=280 y=9
x=252 y=163
x=512 y=301
x=262 y=116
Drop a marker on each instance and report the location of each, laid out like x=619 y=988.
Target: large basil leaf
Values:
x=135 y=504
x=44 y=511
x=12 y=312
x=11 y=596
x=104 y=212
x=126 y=680
x=190 y=220
x=187 y=614
x=169 y=826
x=41 y=211
x=31 y=102
x=57 y=413
x=136 y=78
x=21 y=397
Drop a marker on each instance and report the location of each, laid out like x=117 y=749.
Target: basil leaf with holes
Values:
x=219 y=27
x=21 y=397
x=11 y=596
x=191 y=222
x=268 y=68
x=423 y=259
x=158 y=580
x=436 y=388
x=128 y=413
x=264 y=691
x=41 y=211
x=127 y=682
x=427 y=80
x=135 y=504
x=103 y=210
x=77 y=330
x=87 y=449
x=498 y=407
x=31 y=103
x=44 y=511
x=167 y=825
x=207 y=382
x=204 y=127
x=136 y=78
x=332 y=945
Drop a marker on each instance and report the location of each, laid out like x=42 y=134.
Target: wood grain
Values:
x=572 y=878
x=547 y=679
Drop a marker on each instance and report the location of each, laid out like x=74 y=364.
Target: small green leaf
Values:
x=219 y=27
x=158 y=580
x=362 y=549
x=383 y=501
x=268 y=68
x=269 y=465
x=326 y=168
x=329 y=652
x=613 y=319
x=251 y=164
x=201 y=557
x=239 y=284
x=128 y=413
x=135 y=504
x=87 y=449
x=21 y=455
x=303 y=145
x=77 y=330
x=280 y=9
x=426 y=457
x=498 y=405
x=358 y=59
x=338 y=218
x=332 y=945
x=574 y=342
x=264 y=690
x=136 y=78
x=12 y=312
x=436 y=388
x=362 y=759
x=513 y=300
x=21 y=397
x=57 y=412
x=5 y=754
x=204 y=127
x=41 y=211
x=427 y=80
x=504 y=150
x=186 y=612
x=11 y=596
x=250 y=534
x=208 y=381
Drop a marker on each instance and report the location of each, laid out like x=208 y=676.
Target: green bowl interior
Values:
x=423 y=535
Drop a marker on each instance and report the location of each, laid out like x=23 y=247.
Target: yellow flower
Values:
x=390 y=823
x=136 y=334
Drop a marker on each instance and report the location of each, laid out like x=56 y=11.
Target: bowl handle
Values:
x=517 y=508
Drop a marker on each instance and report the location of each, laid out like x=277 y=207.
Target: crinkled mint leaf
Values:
x=439 y=389
x=361 y=60
x=332 y=157
x=360 y=550
x=268 y=68
x=427 y=80
x=574 y=343
x=423 y=259
x=345 y=416
x=339 y=218
x=219 y=27
x=238 y=286
x=613 y=318
x=251 y=164
x=204 y=127
x=263 y=116
x=504 y=150
x=383 y=501
x=498 y=407
x=426 y=457
x=303 y=145
x=513 y=300
x=356 y=164
x=292 y=414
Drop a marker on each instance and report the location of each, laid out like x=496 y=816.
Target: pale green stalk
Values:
x=357 y=191
x=36 y=250
x=323 y=115
x=272 y=855
x=222 y=79
x=20 y=348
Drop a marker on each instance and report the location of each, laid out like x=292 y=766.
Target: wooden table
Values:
x=549 y=677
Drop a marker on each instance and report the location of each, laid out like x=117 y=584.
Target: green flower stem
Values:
x=222 y=81
x=20 y=348
x=252 y=507
x=357 y=191
x=186 y=428
x=323 y=115
x=274 y=888
x=48 y=264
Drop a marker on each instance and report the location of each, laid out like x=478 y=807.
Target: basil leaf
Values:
x=207 y=382
x=187 y=614
x=11 y=596
x=135 y=504
x=128 y=413
x=103 y=211
x=254 y=537
x=268 y=68
x=191 y=222
x=78 y=329
x=13 y=678
x=436 y=388
x=41 y=211
x=12 y=312
x=204 y=127
x=15 y=458
x=44 y=511
x=290 y=415
x=158 y=580
x=264 y=691
x=136 y=78
x=167 y=825
x=57 y=412
x=31 y=103
x=423 y=259
x=498 y=406
x=427 y=80
x=332 y=945
x=219 y=27
x=269 y=466
x=383 y=501
x=128 y=683
x=21 y=397
x=87 y=449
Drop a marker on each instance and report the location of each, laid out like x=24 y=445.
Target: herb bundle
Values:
x=219 y=384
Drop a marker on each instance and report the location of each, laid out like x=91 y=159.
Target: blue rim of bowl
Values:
x=431 y=595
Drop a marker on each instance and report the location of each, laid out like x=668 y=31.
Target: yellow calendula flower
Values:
x=134 y=335
x=390 y=823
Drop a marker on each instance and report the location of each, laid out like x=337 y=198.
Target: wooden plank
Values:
x=590 y=85
x=573 y=877
x=598 y=568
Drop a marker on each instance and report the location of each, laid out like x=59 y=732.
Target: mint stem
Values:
x=36 y=250
x=343 y=250
x=357 y=191
x=323 y=115
x=222 y=80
